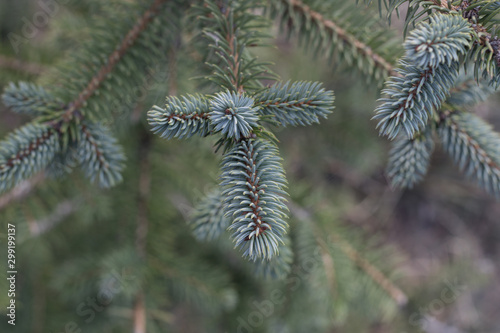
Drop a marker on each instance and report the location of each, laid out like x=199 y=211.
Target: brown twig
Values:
x=21 y=66
x=112 y=60
x=21 y=191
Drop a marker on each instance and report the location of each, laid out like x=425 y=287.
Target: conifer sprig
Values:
x=232 y=29
x=254 y=183
x=339 y=38
x=474 y=146
x=100 y=156
x=93 y=84
x=409 y=159
x=30 y=99
x=426 y=75
x=208 y=221
x=297 y=103
x=25 y=152
x=252 y=175
x=182 y=117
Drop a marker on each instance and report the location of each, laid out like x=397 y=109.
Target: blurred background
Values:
x=419 y=260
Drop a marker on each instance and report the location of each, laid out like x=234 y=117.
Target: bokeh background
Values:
x=437 y=243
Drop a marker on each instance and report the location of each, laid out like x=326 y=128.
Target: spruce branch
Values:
x=373 y=272
x=112 y=60
x=423 y=86
x=208 y=220
x=468 y=91
x=28 y=98
x=474 y=146
x=25 y=152
x=231 y=29
x=297 y=103
x=336 y=41
x=254 y=183
x=409 y=159
x=412 y=98
x=99 y=155
x=182 y=117
x=21 y=66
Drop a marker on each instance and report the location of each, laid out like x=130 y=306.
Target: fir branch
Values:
x=208 y=220
x=297 y=103
x=376 y=275
x=412 y=98
x=112 y=60
x=25 y=152
x=474 y=146
x=21 y=66
x=409 y=159
x=469 y=91
x=439 y=41
x=423 y=86
x=255 y=182
x=30 y=99
x=182 y=117
x=99 y=155
x=334 y=39
x=232 y=28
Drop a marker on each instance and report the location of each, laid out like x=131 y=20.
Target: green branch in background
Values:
x=371 y=49
x=409 y=159
x=85 y=90
x=474 y=146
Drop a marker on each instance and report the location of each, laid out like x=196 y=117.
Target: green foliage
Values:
x=30 y=99
x=25 y=152
x=252 y=173
x=181 y=118
x=233 y=115
x=297 y=103
x=208 y=221
x=229 y=30
x=332 y=29
x=100 y=156
x=426 y=76
x=254 y=183
x=409 y=159
x=439 y=41
x=474 y=146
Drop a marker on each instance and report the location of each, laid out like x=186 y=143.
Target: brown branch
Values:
x=21 y=191
x=112 y=60
x=141 y=234
x=21 y=66
x=254 y=188
x=396 y=294
x=348 y=38
x=377 y=276
x=230 y=38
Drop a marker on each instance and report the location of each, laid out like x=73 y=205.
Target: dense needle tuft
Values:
x=233 y=115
